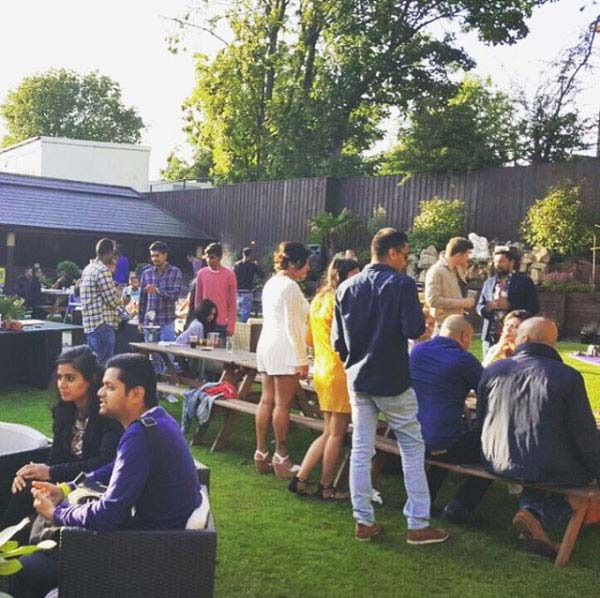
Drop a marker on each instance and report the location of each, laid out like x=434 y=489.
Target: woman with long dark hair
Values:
x=281 y=355
x=205 y=318
x=82 y=441
x=329 y=381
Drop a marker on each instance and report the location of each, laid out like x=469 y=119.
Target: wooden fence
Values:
x=496 y=200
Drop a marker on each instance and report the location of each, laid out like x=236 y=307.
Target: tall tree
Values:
x=552 y=127
x=62 y=103
x=302 y=86
x=473 y=129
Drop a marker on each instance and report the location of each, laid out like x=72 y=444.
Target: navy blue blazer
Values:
x=537 y=423
x=522 y=294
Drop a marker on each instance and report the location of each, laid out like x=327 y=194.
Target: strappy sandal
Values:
x=262 y=462
x=301 y=487
x=284 y=467
x=331 y=493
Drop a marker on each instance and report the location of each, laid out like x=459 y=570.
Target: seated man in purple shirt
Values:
x=152 y=483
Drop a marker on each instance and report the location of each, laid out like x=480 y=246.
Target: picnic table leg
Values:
x=224 y=434
x=242 y=379
x=580 y=507
x=343 y=470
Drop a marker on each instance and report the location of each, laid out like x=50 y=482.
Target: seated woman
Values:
x=83 y=440
x=505 y=347
x=204 y=321
x=330 y=383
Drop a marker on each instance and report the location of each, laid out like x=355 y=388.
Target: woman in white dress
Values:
x=281 y=355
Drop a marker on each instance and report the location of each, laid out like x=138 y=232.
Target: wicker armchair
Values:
x=10 y=463
x=138 y=564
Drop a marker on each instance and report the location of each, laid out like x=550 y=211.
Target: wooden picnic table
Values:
x=240 y=370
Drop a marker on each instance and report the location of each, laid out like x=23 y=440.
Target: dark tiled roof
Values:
x=39 y=202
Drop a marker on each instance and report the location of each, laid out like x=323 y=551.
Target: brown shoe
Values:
x=529 y=526
x=530 y=529
x=364 y=533
x=331 y=493
x=427 y=535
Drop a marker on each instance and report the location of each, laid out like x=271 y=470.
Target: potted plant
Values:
x=12 y=309
x=10 y=549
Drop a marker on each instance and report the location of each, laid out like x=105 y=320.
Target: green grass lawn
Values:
x=274 y=544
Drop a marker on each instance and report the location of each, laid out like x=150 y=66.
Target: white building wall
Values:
x=77 y=160
x=23 y=158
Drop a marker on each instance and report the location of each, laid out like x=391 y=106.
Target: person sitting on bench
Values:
x=538 y=427
x=442 y=372
x=153 y=474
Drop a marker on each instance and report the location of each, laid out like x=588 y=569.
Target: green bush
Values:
x=437 y=222
x=558 y=222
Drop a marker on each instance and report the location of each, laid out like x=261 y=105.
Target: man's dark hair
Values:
x=510 y=252
x=458 y=245
x=247 y=251
x=159 y=246
x=386 y=239
x=136 y=370
x=214 y=249
x=104 y=247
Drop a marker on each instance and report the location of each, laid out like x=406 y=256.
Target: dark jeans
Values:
x=464 y=451
x=552 y=510
x=102 y=342
x=38 y=576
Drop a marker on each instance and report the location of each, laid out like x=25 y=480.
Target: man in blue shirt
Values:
x=152 y=483
x=376 y=312
x=443 y=372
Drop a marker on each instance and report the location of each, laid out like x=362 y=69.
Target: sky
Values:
x=126 y=40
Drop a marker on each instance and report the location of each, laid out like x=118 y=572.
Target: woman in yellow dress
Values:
x=329 y=381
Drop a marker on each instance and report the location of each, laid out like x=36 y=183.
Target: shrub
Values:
x=558 y=222
x=437 y=222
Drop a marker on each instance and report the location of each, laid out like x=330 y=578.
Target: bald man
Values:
x=442 y=372
x=538 y=427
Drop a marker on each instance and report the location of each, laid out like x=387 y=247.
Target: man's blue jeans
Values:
x=166 y=333
x=552 y=510
x=244 y=301
x=400 y=412
x=102 y=342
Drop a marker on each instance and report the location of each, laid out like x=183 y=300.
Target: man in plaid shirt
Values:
x=160 y=286
x=100 y=302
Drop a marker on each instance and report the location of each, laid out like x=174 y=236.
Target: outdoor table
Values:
x=28 y=356
x=60 y=296
x=239 y=368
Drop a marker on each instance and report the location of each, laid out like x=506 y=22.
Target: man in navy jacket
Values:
x=376 y=312
x=506 y=291
x=538 y=426
x=443 y=372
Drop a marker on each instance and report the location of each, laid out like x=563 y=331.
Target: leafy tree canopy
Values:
x=472 y=129
x=62 y=103
x=303 y=84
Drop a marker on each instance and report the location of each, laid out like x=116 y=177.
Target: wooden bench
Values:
x=238 y=406
x=580 y=498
